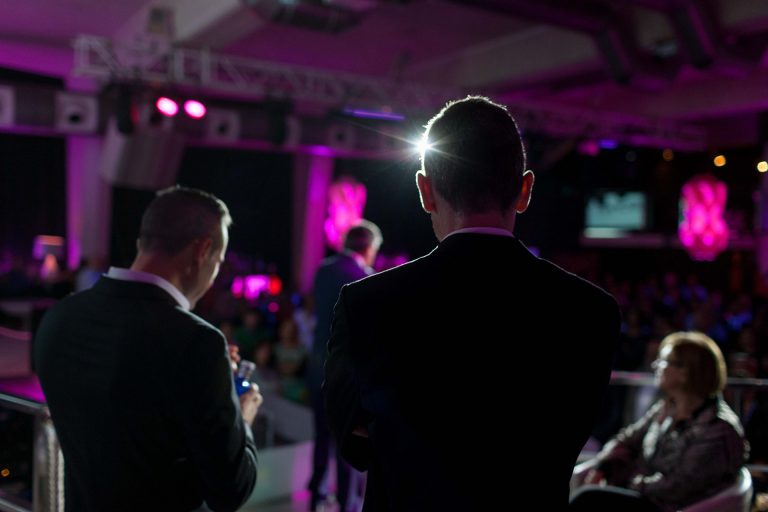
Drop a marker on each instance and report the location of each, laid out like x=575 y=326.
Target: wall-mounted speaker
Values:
x=76 y=113
x=149 y=158
x=223 y=125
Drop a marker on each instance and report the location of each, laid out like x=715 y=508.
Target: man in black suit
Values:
x=361 y=244
x=419 y=371
x=139 y=388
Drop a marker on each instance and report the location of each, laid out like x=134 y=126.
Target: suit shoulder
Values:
x=391 y=278
x=192 y=323
x=576 y=286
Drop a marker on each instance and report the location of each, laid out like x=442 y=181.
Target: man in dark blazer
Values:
x=361 y=244
x=477 y=351
x=139 y=388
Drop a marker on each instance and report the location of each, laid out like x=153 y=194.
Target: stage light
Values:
x=719 y=161
x=194 y=109
x=422 y=146
x=703 y=230
x=762 y=166
x=167 y=106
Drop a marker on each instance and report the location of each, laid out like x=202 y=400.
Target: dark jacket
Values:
x=676 y=465
x=333 y=273
x=140 y=392
x=436 y=358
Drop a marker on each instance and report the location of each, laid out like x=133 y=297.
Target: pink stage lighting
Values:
x=251 y=287
x=238 y=287
x=167 y=106
x=194 y=109
x=275 y=285
x=703 y=230
x=255 y=285
x=346 y=202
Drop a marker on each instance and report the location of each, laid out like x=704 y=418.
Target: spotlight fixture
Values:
x=167 y=106
x=194 y=109
x=762 y=166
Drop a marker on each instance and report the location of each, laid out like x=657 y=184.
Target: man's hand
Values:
x=595 y=477
x=250 y=401
x=234 y=355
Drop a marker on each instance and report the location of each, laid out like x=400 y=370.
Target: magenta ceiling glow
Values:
x=317 y=150
x=167 y=106
x=703 y=231
x=346 y=201
x=194 y=109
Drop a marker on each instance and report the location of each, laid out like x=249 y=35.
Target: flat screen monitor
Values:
x=615 y=209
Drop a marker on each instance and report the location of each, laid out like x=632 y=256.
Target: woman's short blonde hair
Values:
x=702 y=359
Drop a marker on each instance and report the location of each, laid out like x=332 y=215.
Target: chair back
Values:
x=735 y=498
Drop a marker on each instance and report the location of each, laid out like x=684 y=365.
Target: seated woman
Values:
x=687 y=447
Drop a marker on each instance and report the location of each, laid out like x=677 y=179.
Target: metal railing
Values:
x=735 y=387
x=48 y=463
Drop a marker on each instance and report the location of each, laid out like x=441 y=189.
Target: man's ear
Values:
x=202 y=248
x=426 y=192
x=526 y=188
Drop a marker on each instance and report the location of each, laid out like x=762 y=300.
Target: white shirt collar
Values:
x=126 y=274
x=483 y=231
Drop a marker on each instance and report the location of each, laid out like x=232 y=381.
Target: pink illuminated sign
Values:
x=703 y=230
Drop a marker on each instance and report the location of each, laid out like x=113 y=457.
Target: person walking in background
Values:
x=361 y=245
x=408 y=403
x=140 y=389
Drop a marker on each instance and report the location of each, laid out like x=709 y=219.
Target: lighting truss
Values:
x=99 y=58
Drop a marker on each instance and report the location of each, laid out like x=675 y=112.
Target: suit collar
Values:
x=481 y=242
x=133 y=290
x=126 y=274
x=483 y=231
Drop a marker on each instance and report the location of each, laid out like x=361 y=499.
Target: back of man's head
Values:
x=361 y=236
x=177 y=216
x=475 y=155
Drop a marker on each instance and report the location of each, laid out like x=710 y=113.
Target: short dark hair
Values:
x=476 y=156
x=362 y=235
x=179 y=215
x=701 y=358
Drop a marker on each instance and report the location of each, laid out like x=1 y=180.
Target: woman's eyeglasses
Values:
x=663 y=363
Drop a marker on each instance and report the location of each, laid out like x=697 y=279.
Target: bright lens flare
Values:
x=423 y=146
